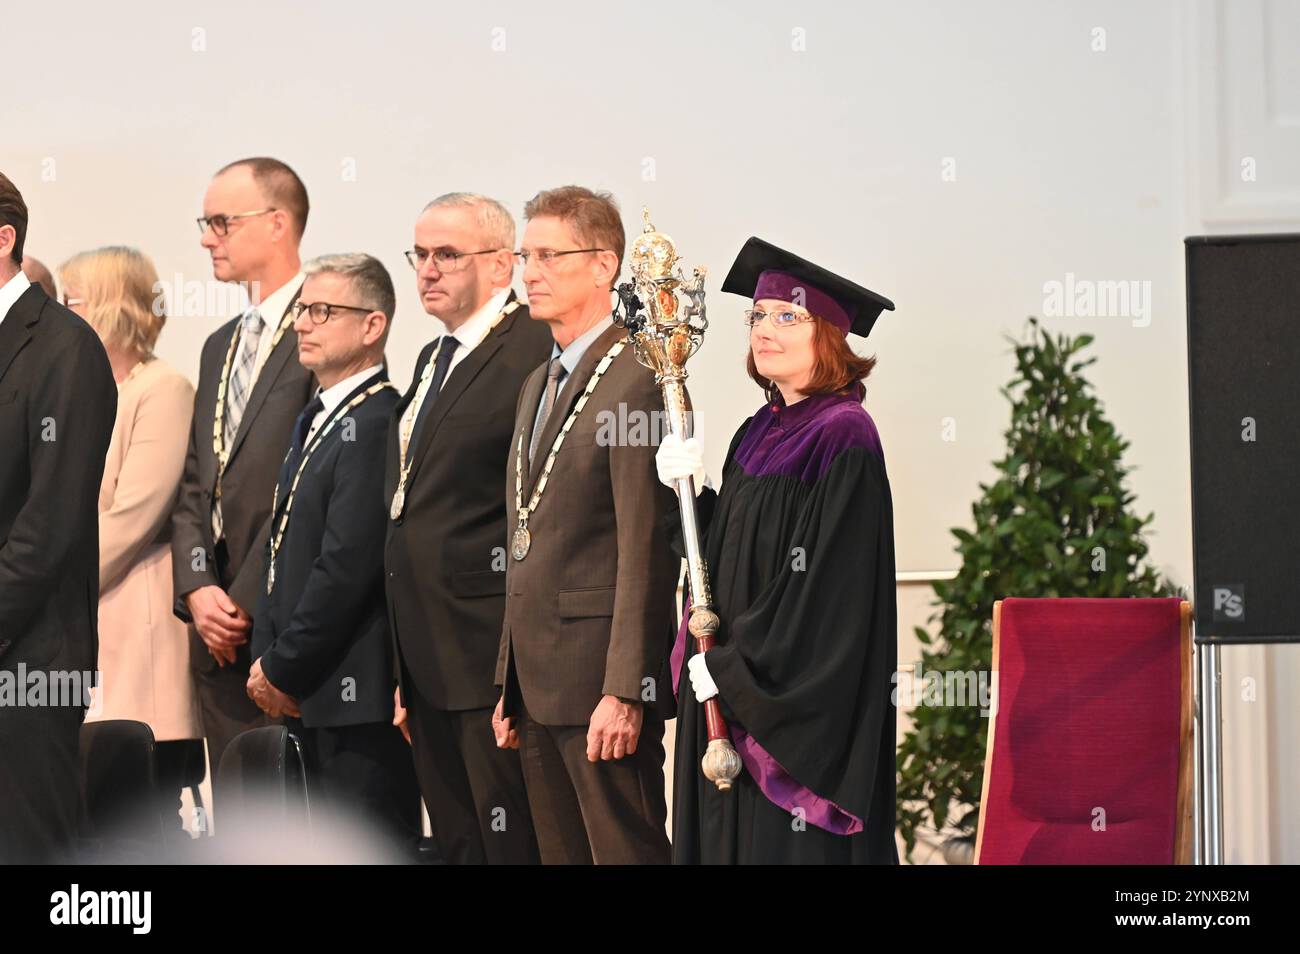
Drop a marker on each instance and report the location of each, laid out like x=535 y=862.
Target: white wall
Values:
x=1066 y=160
x=825 y=127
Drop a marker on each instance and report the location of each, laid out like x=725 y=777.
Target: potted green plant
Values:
x=1055 y=523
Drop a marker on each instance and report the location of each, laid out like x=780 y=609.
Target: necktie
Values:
x=300 y=430
x=241 y=375
x=554 y=373
x=303 y=427
x=237 y=391
x=446 y=349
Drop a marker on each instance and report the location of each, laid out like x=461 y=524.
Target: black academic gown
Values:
x=800 y=550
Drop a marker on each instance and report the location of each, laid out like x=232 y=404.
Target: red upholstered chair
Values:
x=1093 y=723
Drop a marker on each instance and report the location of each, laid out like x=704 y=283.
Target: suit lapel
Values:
x=282 y=487
x=458 y=382
x=15 y=328
x=322 y=434
x=426 y=355
x=285 y=349
x=532 y=396
x=573 y=388
x=380 y=375
x=393 y=457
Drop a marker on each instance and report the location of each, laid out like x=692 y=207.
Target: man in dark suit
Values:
x=321 y=647
x=57 y=405
x=445 y=555
x=251 y=388
x=583 y=661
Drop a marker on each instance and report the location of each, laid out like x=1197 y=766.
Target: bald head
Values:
x=38 y=274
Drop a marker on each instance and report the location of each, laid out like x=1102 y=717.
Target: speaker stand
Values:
x=1209 y=756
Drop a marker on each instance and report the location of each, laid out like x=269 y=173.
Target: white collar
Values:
x=274 y=305
x=476 y=327
x=570 y=356
x=333 y=396
x=11 y=291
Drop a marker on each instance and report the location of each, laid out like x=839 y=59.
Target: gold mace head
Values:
x=654 y=254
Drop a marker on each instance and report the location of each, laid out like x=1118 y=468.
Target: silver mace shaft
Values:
x=665 y=339
x=721 y=764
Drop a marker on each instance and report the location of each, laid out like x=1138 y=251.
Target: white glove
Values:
x=701 y=681
x=677 y=458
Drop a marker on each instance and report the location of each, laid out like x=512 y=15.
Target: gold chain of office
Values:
x=408 y=421
x=522 y=538
x=317 y=440
x=219 y=449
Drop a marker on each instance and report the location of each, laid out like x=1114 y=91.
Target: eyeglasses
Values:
x=320 y=311
x=220 y=224
x=546 y=256
x=781 y=319
x=444 y=259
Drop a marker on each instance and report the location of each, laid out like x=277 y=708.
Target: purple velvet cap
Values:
x=762 y=270
x=786 y=287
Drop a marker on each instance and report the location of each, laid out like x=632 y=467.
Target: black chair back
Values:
x=261 y=778
x=120 y=817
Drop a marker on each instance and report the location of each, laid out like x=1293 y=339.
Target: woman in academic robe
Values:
x=800 y=549
x=144 y=673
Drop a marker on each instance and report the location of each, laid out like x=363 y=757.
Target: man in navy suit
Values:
x=57 y=404
x=322 y=654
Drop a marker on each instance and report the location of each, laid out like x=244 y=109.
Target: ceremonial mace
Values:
x=663 y=338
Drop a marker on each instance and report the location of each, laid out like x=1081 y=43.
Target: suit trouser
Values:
x=40 y=783
x=474 y=791
x=364 y=773
x=224 y=707
x=610 y=812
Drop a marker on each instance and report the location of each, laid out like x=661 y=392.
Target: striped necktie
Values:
x=554 y=374
x=241 y=376
x=237 y=391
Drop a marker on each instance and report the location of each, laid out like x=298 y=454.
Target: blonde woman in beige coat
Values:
x=143 y=647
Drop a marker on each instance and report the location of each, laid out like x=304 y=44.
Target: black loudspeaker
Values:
x=1243 y=377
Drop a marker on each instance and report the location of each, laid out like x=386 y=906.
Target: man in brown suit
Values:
x=251 y=390
x=589 y=602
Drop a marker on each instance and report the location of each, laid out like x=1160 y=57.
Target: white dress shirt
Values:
x=474 y=329
x=571 y=355
x=11 y=291
x=333 y=396
x=469 y=336
x=272 y=309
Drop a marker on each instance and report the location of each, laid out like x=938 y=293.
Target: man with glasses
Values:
x=445 y=553
x=583 y=663
x=323 y=659
x=250 y=390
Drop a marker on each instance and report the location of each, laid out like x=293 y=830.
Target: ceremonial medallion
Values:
x=520 y=542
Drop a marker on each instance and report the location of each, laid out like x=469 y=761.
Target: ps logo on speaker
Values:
x=1230 y=603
